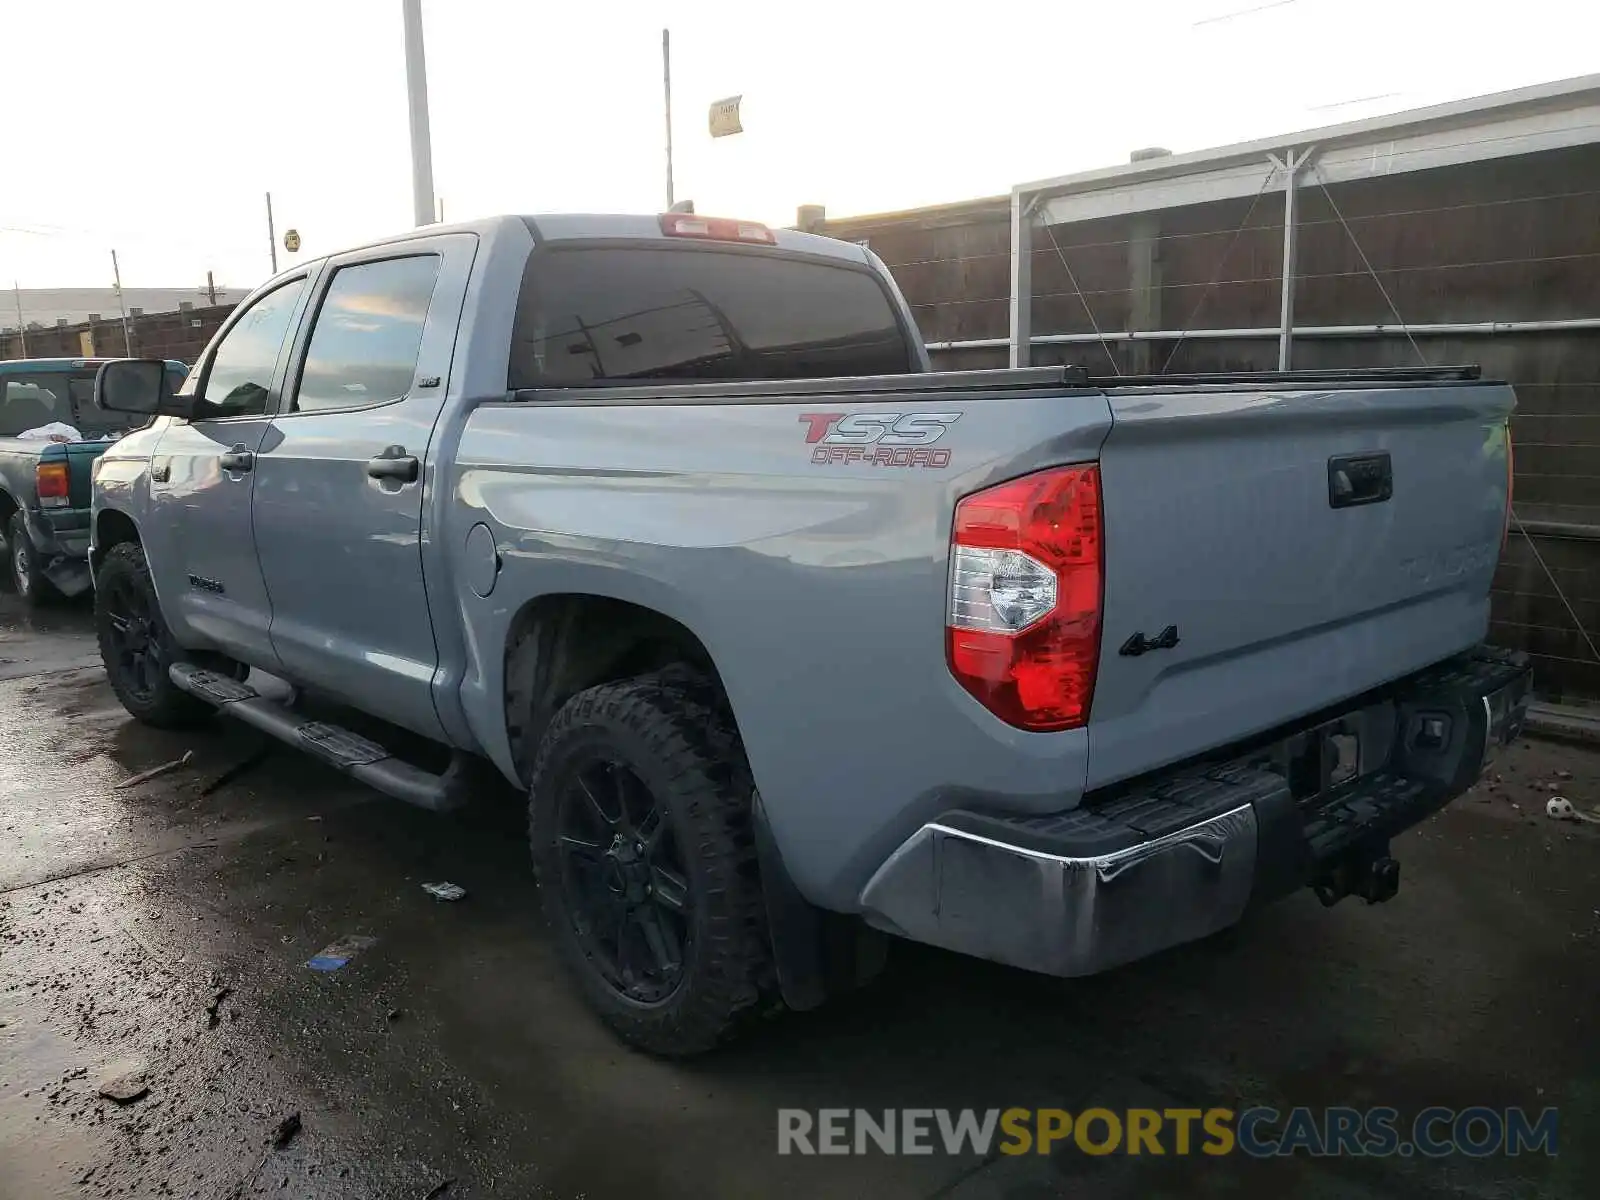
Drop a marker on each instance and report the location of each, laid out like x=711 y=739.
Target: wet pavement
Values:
x=164 y=929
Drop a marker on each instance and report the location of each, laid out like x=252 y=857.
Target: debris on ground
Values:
x=1560 y=809
x=445 y=891
x=395 y=1014
x=439 y=1189
x=125 y=1086
x=213 y=1009
x=337 y=953
x=153 y=772
x=253 y=759
x=283 y=1133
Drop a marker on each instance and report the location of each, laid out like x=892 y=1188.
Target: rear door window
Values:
x=607 y=313
x=367 y=334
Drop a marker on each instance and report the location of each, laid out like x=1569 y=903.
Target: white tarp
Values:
x=56 y=431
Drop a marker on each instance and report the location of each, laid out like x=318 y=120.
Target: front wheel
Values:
x=639 y=819
x=135 y=644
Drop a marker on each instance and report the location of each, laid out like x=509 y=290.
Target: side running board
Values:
x=348 y=752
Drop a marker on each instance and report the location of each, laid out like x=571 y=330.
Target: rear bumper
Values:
x=1182 y=854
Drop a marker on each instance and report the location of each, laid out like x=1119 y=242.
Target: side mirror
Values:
x=139 y=385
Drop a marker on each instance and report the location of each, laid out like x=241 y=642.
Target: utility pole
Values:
x=127 y=332
x=666 y=85
x=417 y=94
x=211 y=290
x=22 y=331
x=272 y=235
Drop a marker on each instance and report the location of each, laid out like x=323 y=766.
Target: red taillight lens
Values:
x=1023 y=631
x=52 y=483
x=716 y=229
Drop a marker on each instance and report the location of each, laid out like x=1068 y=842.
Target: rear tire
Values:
x=24 y=568
x=135 y=644
x=639 y=822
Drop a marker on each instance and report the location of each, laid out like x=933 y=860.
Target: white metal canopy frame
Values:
x=1547 y=116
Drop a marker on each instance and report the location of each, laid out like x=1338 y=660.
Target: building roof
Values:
x=1545 y=116
x=44 y=308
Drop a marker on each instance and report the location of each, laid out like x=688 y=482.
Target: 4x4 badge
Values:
x=1138 y=643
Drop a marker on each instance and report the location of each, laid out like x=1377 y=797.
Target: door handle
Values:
x=238 y=459
x=394 y=464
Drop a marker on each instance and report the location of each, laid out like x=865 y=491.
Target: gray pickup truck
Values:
x=791 y=642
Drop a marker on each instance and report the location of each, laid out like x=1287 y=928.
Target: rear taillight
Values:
x=716 y=229
x=1023 y=632
x=52 y=485
x=1505 y=526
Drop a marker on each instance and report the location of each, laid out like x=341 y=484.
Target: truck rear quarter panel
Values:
x=819 y=590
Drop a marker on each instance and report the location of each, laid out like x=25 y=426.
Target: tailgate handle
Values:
x=1355 y=479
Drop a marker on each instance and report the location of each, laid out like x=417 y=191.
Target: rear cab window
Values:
x=599 y=313
x=31 y=400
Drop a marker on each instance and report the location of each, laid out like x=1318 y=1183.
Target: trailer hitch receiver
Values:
x=1374 y=878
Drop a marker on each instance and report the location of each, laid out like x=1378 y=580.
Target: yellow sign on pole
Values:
x=86 y=343
x=725 y=117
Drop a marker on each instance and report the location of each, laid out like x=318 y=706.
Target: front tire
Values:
x=24 y=568
x=135 y=644
x=639 y=821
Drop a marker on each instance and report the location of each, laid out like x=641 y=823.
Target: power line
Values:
x=1104 y=345
x=1243 y=12
x=1221 y=262
x=1356 y=242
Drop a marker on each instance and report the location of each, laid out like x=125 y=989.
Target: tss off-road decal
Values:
x=886 y=439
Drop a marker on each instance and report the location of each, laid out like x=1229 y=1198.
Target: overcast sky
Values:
x=157 y=126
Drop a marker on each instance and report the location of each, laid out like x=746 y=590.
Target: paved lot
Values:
x=165 y=927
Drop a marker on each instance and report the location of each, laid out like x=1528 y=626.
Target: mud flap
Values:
x=69 y=576
x=818 y=954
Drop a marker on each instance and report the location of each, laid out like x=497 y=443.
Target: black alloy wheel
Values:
x=132 y=640
x=623 y=880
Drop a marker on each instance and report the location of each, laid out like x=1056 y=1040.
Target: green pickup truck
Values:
x=45 y=483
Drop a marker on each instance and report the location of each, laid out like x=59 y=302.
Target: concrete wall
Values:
x=1517 y=239
x=180 y=335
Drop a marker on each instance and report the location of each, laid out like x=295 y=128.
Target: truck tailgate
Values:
x=80 y=458
x=1306 y=545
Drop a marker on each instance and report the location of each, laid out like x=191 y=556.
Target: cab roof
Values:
x=573 y=227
